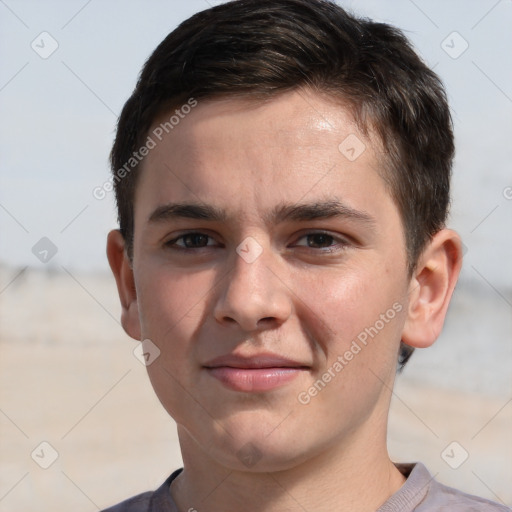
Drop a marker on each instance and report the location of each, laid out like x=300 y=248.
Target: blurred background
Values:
x=80 y=427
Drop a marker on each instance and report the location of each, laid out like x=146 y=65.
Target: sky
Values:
x=67 y=67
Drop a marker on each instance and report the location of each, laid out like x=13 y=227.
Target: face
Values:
x=270 y=271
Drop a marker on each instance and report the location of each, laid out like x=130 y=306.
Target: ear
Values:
x=431 y=288
x=122 y=270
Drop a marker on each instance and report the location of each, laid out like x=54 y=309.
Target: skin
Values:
x=305 y=297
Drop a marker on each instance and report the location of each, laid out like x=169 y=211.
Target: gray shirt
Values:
x=420 y=493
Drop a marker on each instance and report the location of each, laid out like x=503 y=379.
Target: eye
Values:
x=322 y=240
x=192 y=240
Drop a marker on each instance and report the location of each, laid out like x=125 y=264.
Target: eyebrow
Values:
x=188 y=211
x=280 y=213
x=317 y=211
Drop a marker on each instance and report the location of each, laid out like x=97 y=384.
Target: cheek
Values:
x=355 y=325
x=340 y=304
x=355 y=317
x=171 y=301
x=172 y=307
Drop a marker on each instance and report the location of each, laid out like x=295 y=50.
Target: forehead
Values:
x=289 y=121
x=242 y=152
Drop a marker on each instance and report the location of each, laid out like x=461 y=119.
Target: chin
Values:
x=260 y=455
x=256 y=442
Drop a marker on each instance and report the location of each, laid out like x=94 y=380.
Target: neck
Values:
x=337 y=479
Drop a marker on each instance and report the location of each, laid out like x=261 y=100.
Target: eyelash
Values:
x=341 y=242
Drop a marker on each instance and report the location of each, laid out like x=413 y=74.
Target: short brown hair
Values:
x=261 y=48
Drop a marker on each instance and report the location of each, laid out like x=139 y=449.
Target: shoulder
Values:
x=139 y=503
x=441 y=498
x=151 y=501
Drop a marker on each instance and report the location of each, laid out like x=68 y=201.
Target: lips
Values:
x=257 y=373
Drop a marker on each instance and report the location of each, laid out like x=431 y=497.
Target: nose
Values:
x=253 y=296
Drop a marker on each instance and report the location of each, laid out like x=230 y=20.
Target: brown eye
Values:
x=195 y=240
x=322 y=241
x=319 y=240
x=190 y=241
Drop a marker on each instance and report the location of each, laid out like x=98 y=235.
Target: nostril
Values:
x=267 y=321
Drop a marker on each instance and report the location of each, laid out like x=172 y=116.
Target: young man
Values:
x=282 y=178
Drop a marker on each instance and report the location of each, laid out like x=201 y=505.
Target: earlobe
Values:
x=123 y=273
x=431 y=288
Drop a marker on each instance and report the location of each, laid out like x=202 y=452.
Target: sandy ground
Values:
x=68 y=377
